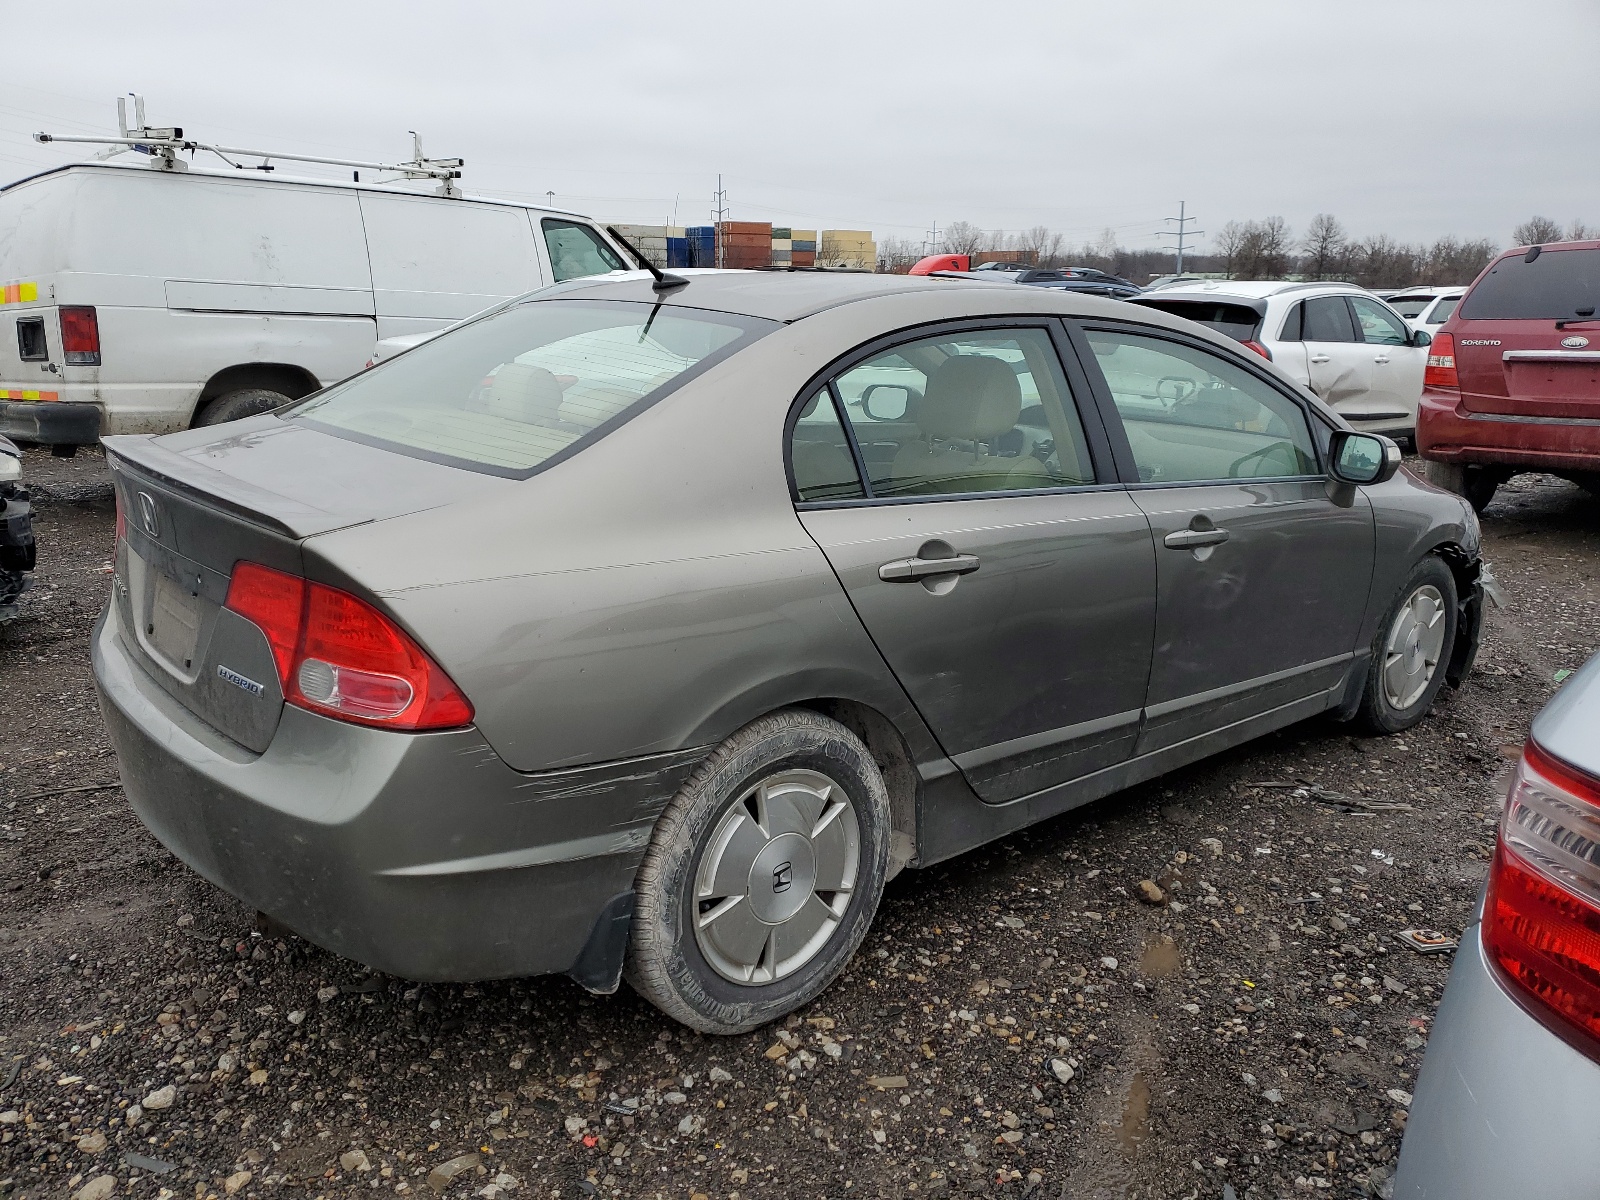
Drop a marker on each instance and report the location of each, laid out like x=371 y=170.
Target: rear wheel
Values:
x=1474 y=483
x=1412 y=650
x=241 y=403
x=762 y=876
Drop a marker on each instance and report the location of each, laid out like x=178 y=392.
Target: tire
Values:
x=236 y=405
x=733 y=972
x=1473 y=483
x=1396 y=697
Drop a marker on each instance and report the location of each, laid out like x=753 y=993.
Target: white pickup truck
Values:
x=135 y=300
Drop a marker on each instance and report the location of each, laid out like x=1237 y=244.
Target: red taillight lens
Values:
x=1258 y=348
x=338 y=655
x=80 y=335
x=1541 y=918
x=1441 y=369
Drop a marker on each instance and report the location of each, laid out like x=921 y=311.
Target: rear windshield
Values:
x=1442 y=314
x=525 y=387
x=1410 y=306
x=1237 y=321
x=1556 y=285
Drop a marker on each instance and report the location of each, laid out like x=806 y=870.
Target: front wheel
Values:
x=762 y=875
x=1412 y=650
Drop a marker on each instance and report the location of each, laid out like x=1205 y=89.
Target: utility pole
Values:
x=719 y=214
x=932 y=244
x=550 y=199
x=1183 y=233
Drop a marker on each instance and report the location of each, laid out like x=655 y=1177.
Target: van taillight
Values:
x=1441 y=369
x=80 y=335
x=1541 y=917
x=339 y=656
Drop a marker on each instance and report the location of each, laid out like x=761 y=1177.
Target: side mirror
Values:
x=885 y=401
x=1363 y=458
x=1422 y=338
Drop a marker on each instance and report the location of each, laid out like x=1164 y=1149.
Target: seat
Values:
x=971 y=403
x=522 y=392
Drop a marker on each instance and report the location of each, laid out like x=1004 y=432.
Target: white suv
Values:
x=1427 y=308
x=1341 y=341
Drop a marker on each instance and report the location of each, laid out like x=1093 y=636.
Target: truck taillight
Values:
x=1541 y=917
x=80 y=335
x=1441 y=368
x=339 y=656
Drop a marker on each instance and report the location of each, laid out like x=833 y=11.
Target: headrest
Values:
x=970 y=397
x=522 y=392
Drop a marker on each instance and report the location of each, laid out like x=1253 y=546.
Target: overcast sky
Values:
x=1416 y=119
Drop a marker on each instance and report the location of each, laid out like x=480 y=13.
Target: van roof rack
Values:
x=164 y=144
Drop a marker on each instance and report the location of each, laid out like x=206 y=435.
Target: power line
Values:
x=1183 y=232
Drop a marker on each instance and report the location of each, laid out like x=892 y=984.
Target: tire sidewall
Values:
x=241 y=403
x=719 y=1004
x=1380 y=715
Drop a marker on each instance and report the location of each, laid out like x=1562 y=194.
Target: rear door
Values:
x=1262 y=577
x=1527 y=343
x=1006 y=577
x=1397 y=365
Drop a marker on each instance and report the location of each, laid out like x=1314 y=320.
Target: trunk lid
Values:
x=195 y=504
x=1527 y=341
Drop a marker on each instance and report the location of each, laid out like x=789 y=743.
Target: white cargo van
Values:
x=144 y=301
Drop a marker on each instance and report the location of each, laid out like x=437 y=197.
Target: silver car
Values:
x=648 y=628
x=1508 y=1098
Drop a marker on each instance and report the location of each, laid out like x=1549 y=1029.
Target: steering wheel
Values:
x=1262 y=452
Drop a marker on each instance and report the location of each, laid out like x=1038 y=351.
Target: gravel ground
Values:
x=1020 y=1019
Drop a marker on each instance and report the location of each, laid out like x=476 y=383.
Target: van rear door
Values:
x=1527 y=343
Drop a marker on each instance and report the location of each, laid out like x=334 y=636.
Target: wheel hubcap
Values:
x=1414 y=647
x=776 y=877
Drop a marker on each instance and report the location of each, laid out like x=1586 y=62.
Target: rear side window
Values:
x=1327 y=319
x=577 y=250
x=1238 y=321
x=31 y=344
x=1559 y=284
x=516 y=390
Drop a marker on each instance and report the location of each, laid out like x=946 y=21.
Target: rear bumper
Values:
x=51 y=423
x=422 y=855
x=1503 y=1107
x=1448 y=433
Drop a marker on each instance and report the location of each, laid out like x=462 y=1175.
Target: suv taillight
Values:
x=1258 y=348
x=80 y=335
x=1441 y=369
x=339 y=656
x=1541 y=918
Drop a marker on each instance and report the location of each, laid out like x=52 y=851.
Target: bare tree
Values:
x=1042 y=243
x=1230 y=245
x=963 y=237
x=1579 y=232
x=1451 y=262
x=1380 y=261
x=897 y=255
x=1536 y=231
x=1255 y=249
x=1324 y=246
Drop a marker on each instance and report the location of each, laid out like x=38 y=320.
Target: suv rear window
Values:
x=1238 y=321
x=527 y=386
x=1410 y=306
x=1557 y=285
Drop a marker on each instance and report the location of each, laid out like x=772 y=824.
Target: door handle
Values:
x=910 y=570
x=1382 y=358
x=1320 y=358
x=1190 y=539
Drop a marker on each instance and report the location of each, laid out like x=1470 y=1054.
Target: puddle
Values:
x=1135 y=1124
x=1160 y=958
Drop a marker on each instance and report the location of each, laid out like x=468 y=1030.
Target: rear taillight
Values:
x=122 y=520
x=1441 y=369
x=1258 y=348
x=338 y=655
x=1541 y=918
x=80 y=335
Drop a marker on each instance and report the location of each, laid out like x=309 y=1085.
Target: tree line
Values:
x=1266 y=248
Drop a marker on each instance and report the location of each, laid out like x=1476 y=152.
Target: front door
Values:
x=1010 y=589
x=1397 y=365
x=1262 y=575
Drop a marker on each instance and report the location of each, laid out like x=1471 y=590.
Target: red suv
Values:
x=1513 y=377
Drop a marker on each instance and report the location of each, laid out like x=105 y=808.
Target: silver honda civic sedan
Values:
x=646 y=628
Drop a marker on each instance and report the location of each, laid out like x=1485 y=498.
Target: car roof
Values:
x=1246 y=289
x=1423 y=289
x=778 y=295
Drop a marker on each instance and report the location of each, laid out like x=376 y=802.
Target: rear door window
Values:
x=1557 y=285
x=1192 y=416
x=577 y=250
x=524 y=387
x=1327 y=319
x=963 y=413
x=1379 y=326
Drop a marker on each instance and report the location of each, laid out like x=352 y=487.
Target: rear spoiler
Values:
x=270 y=510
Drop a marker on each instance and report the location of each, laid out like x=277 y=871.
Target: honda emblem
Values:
x=782 y=877
x=149 y=516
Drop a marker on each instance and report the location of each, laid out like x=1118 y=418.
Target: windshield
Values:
x=1556 y=285
x=519 y=389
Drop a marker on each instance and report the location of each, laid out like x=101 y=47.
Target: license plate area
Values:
x=171 y=616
